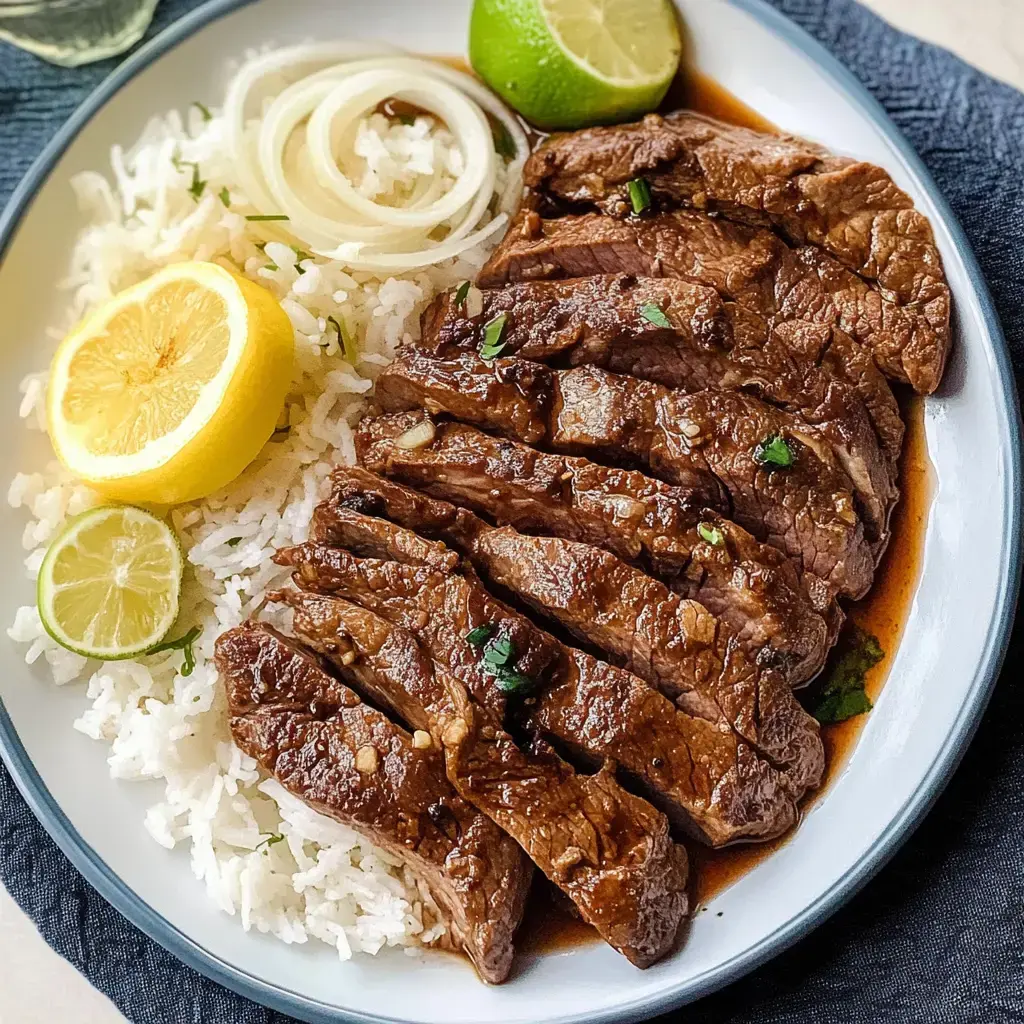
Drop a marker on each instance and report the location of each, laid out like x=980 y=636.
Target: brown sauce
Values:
x=693 y=90
x=884 y=613
x=547 y=926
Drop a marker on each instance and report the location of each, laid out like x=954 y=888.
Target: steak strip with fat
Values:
x=751 y=586
x=748 y=265
x=805 y=509
x=347 y=760
x=851 y=209
x=609 y=851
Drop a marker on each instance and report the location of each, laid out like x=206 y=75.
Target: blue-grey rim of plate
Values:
x=114 y=890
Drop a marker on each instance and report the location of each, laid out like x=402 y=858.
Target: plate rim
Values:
x=900 y=827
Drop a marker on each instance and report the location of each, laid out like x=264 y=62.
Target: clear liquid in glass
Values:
x=73 y=32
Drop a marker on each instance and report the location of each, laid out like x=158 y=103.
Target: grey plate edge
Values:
x=114 y=890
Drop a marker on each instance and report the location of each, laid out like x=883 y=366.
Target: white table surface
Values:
x=989 y=33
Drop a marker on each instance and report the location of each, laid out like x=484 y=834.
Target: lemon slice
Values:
x=108 y=586
x=168 y=391
x=573 y=63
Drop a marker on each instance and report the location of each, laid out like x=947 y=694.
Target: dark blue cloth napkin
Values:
x=938 y=936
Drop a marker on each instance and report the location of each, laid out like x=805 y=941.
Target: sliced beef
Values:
x=851 y=209
x=806 y=510
x=748 y=265
x=609 y=851
x=683 y=336
x=673 y=643
x=752 y=586
x=707 y=781
x=349 y=761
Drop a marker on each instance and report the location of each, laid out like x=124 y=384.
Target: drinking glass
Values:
x=73 y=32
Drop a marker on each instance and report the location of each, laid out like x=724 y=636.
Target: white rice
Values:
x=262 y=855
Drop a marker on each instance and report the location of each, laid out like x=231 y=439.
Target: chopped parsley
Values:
x=234 y=542
x=774 y=451
x=479 y=636
x=271 y=266
x=711 y=534
x=508 y=680
x=347 y=344
x=407 y=119
x=492 y=344
x=203 y=109
x=499 y=656
x=197 y=185
x=652 y=313
x=460 y=295
x=183 y=643
x=271 y=840
x=225 y=197
x=842 y=694
x=266 y=216
x=639 y=194
x=500 y=652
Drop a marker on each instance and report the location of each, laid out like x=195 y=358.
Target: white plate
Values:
x=939 y=682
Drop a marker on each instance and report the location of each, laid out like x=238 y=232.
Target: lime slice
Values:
x=573 y=63
x=108 y=586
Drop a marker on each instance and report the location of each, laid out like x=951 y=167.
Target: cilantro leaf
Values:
x=711 y=534
x=774 y=451
x=479 y=636
x=460 y=295
x=492 y=344
x=842 y=695
x=652 y=313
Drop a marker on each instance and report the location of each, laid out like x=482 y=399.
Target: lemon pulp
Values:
x=168 y=391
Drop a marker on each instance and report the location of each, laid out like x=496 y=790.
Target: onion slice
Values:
x=290 y=112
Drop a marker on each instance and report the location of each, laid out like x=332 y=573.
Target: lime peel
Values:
x=110 y=582
x=567 y=64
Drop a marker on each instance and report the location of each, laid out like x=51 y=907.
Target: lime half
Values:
x=573 y=63
x=108 y=586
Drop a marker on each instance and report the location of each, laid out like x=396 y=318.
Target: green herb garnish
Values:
x=203 y=109
x=711 y=534
x=480 y=635
x=271 y=266
x=407 y=119
x=266 y=216
x=234 y=542
x=508 y=680
x=274 y=837
x=460 y=295
x=493 y=345
x=300 y=255
x=195 y=189
x=500 y=652
x=345 y=341
x=504 y=144
x=652 y=313
x=774 y=451
x=842 y=694
x=639 y=194
x=183 y=643
x=225 y=197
